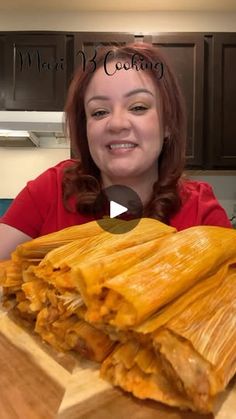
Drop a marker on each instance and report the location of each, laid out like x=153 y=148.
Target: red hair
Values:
x=83 y=179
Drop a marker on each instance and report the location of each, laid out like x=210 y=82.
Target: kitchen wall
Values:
x=17 y=166
x=137 y=22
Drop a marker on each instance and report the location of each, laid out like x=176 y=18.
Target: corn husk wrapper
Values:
x=192 y=351
x=36 y=249
x=33 y=251
x=181 y=260
x=61 y=266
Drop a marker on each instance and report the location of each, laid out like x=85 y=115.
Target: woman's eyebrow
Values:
x=141 y=90
x=132 y=92
x=98 y=98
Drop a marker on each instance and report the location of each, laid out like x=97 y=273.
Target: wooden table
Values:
x=39 y=383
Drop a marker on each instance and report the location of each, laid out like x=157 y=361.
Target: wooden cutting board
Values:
x=37 y=382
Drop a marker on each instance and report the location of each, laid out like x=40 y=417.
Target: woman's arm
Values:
x=10 y=237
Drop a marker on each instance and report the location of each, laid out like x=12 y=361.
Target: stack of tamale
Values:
x=44 y=290
x=157 y=306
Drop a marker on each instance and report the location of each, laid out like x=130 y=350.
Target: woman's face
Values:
x=124 y=124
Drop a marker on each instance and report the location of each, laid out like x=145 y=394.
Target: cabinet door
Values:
x=223 y=133
x=87 y=42
x=186 y=54
x=2 y=71
x=36 y=67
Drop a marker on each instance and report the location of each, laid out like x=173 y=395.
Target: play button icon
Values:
x=116 y=209
x=116 y=203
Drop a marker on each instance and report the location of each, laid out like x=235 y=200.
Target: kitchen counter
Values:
x=40 y=383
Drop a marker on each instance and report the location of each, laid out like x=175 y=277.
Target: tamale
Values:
x=40 y=294
x=39 y=282
x=57 y=319
x=36 y=293
x=204 y=338
x=69 y=333
x=60 y=266
x=10 y=280
x=36 y=249
x=182 y=260
x=92 y=273
x=10 y=274
x=50 y=293
x=193 y=353
x=171 y=310
x=27 y=255
x=52 y=327
x=88 y=341
x=138 y=370
x=33 y=251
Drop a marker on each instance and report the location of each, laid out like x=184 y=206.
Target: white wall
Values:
x=18 y=165
x=138 y=22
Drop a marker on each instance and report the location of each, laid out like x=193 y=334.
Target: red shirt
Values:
x=38 y=209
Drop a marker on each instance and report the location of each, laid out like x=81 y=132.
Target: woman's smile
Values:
x=121 y=147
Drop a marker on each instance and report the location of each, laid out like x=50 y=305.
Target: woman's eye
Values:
x=139 y=108
x=99 y=114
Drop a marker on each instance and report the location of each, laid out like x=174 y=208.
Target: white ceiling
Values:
x=120 y=5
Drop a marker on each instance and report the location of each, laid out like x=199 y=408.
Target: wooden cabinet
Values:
x=2 y=71
x=37 y=70
x=86 y=44
x=222 y=101
x=185 y=53
x=39 y=66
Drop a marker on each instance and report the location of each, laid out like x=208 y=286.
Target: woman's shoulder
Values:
x=49 y=183
x=195 y=195
x=52 y=174
x=194 y=187
x=61 y=166
x=199 y=206
x=65 y=163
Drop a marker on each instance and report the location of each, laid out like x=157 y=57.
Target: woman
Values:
x=126 y=119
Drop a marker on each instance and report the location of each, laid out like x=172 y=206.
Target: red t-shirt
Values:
x=38 y=209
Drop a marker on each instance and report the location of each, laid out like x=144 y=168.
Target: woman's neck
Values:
x=142 y=186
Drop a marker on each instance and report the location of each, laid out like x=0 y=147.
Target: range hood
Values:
x=32 y=129
x=14 y=138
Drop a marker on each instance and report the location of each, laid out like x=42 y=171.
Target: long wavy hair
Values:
x=82 y=180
